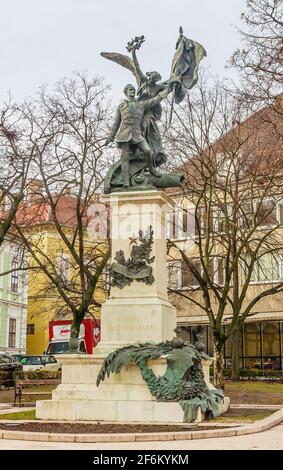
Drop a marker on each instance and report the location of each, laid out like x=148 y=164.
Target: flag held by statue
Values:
x=185 y=63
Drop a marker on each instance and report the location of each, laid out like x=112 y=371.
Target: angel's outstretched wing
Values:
x=135 y=353
x=123 y=60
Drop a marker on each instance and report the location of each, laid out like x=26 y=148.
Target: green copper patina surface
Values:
x=136 y=125
x=136 y=131
x=182 y=382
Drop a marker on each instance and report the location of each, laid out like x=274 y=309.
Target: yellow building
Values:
x=54 y=262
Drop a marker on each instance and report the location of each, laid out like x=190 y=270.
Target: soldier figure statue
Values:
x=127 y=130
x=136 y=124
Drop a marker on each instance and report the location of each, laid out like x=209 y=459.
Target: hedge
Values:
x=6 y=378
x=37 y=374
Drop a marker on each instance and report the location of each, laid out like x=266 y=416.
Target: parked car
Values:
x=8 y=365
x=17 y=357
x=45 y=362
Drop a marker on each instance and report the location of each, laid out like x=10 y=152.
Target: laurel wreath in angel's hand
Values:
x=135 y=43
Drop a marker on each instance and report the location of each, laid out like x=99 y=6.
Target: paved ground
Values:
x=4 y=408
x=268 y=440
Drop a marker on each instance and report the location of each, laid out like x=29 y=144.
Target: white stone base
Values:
x=110 y=410
x=122 y=397
x=136 y=313
x=117 y=411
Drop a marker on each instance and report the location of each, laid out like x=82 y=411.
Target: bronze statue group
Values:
x=135 y=128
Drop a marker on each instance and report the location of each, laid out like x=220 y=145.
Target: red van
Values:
x=59 y=335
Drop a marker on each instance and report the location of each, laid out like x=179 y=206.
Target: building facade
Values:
x=45 y=303
x=261 y=345
x=243 y=202
x=13 y=301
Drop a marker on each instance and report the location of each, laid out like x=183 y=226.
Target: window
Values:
x=98 y=221
x=23 y=361
x=58 y=348
x=30 y=329
x=170 y=225
x=215 y=272
x=252 y=346
x=205 y=336
x=45 y=360
x=262 y=213
x=174 y=275
x=188 y=223
x=188 y=277
x=261 y=344
x=184 y=223
x=14 y=276
x=266 y=213
x=222 y=220
x=52 y=360
x=219 y=270
x=267 y=268
x=181 y=223
x=226 y=166
x=184 y=332
x=48 y=360
x=204 y=225
x=107 y=277
x=229 y=344
x=270 y=339
x=247 y=215
x=64 y=268
x=12 y=332
x=180 y=275
x=33 y=361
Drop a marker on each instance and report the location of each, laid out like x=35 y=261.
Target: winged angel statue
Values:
x=136 y=124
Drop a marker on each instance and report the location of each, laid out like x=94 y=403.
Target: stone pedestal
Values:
x=135 y=314
x=138 y=312
x=123 y=397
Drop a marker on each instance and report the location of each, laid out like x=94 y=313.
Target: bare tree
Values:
x=69 y=168
x=233 y=168
x=260 y=61
x=16 y=156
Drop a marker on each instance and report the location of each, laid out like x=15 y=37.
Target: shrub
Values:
x=256 y=374
x=37 y=374
x=6 y=378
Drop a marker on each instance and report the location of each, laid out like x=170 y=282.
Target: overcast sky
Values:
x=42 y=41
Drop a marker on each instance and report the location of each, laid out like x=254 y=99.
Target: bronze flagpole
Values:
x=174 y=89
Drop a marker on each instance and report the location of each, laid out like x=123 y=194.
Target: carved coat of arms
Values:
x=136 y=267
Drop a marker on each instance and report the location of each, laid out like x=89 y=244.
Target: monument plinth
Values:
x=138 y=312
x=135 y=313
x=139 y=372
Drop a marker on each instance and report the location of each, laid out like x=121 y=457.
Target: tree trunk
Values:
x=218 y=379
x=74 y=337
x=236 y=341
